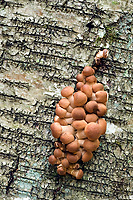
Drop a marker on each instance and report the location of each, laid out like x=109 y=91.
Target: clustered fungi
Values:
x=78 y=123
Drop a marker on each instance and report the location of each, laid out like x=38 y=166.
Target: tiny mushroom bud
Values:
x=101 y=96
x=91 y=106
x=66 y=138
x=87 y=90
x=88 y=71
x=78 y=113
x=102 y=109
x=92 y=131
x=67 y=91
x=86 y=156
x=73 y=146
x=91 y=117
x=78 y=174
x=97 y=87
x=103 y=125
x=64 y=103
x=59 y=145
x=79 y=124
x=80 y=98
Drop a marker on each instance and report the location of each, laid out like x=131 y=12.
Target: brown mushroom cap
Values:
x=91 y=118
x=97 y=87
x=56 y=129
x=61 y=171
x=102 y=109
x=67 y=91
x=58 y=153
x=65 y=163
x=72 y=158
x=73 y=146
x=79 y=124
x=64 y=103
x=79 y=85
x=66 y=138
x=87 y=90
x=78 y=113
x=80 y=78
x=80 y=98
x=87 y=156
x=61 y=112
x=52 y=160
x=91 y=106
x=101 y=96
x=92 y=131
x=91 y=146
x=105 y=53
x=88 y=71
x=103 y=125
x=91 y=79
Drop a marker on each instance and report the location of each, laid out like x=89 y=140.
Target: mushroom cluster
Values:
x=78 y=123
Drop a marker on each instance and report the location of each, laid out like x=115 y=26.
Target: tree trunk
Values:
x=43 y=46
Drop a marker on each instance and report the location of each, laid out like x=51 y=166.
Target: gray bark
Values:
x=43 y=46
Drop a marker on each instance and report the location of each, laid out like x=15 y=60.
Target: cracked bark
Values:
x=43 y=46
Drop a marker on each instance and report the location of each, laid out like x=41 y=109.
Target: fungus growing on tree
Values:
x=78 y=124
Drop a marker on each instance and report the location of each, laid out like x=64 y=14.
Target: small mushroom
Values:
x=101 y=96
x=79 y=124
x=91 y=118
x=59 y=145
x=73 y=146
x=91 y=107
x=79 y=85
x=89 y=145
x=91 y=80
x=65 y=163
x=97 y=87
x=57 y=129
x=66 y=138
x=78 y=113
x=61 y=112
x=92 y=131
x=52 y=160
x=88 y=71
x=58 y=153
x=87 y=90
x=101 y=110
x=86 y=156
x=64 y=121
x=64 y=103
x=80 y=78
x=61 y=171
x=78 y=174
x=73 y=158
x=67 y=91
x=103 y=125
x=80 y=98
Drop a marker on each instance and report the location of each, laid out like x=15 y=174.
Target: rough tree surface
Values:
x=43 y=46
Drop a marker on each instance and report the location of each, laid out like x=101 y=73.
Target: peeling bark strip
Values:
x=77 y=124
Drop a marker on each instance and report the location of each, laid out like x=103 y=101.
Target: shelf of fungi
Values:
x=78 y=123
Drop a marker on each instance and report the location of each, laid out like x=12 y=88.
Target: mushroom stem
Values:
x=78 y=174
